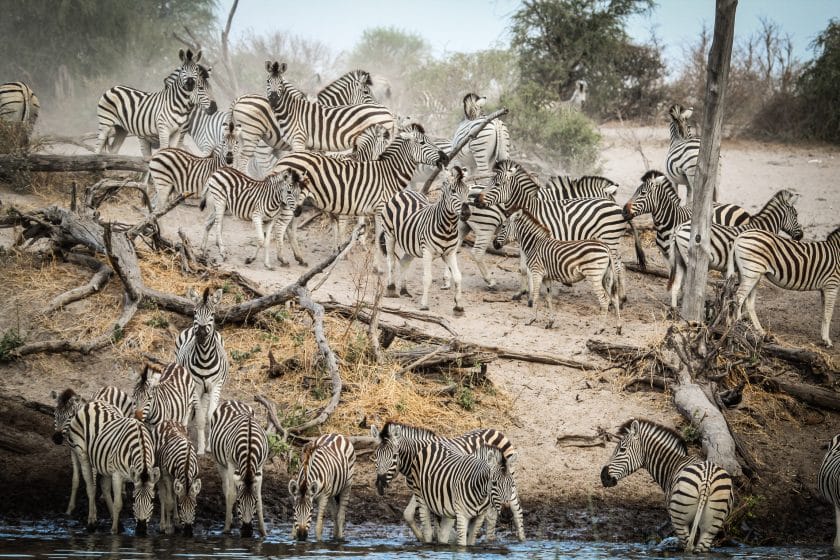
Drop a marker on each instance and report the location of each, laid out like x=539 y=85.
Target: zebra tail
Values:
x=610 y=282
x=702 y=500
x=637 y=243
x=730 y=260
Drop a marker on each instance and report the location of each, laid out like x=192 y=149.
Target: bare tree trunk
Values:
x=717 y=76
x=231 y=72
x=53 y=162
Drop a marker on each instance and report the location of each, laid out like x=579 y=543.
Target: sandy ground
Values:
x=560 y=485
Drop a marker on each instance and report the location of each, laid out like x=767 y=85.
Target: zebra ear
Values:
x=293 y=487
x=195 y=487
x=182 y=55
x=268 y=66
x=194 y=296
x=511 y=460
x=687 y=113
x=216 y=297
x=154 y=475
x=374 y=431
x=611 y=190
x=54 y=395
x=314 y=488
x=178 y=487
x=283 y=68
x=197 y=56
x=395 y=431
x=634 y=428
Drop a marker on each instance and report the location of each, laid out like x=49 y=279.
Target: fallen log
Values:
x=650 y=270
x=819 y=397
x=812 y=363
x=102 y=273
x=440 y=357
x=47 y=163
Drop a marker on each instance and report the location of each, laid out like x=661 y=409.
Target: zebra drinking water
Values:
x=179 y=482
x=698 y=494
x=326 y=474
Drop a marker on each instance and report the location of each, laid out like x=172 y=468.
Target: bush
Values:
x=817 y=86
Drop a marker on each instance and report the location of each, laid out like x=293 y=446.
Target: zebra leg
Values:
x=516 y=509
x=208 y=225
x=477 y=254
x=267 y=245
x=524 y=274
x=444 y=528
x=751 y=309
x=405 y=261
x=74 y=488
x=829 y=296
x=201 y=418
x=534 y=285
x=105 y=132
x=90 y=485
x=549 y=299
x=212 y=403
x=461 y=527
x=117 y=487
x=597 y=281
x=390 y=257
x=323 y=504
x=620 y=278
x=219 y=207
x=451 y=261
x=163 y=499
x=108 y=494
x=428 y=256
x=280 y=230
x=475 y=524
x=836 y=528
x=226 y=474
x=678 y=273
x=256 y=219
x=260 y=516
x=161 y=195
x=293 y=242
x=343 y=499
x=425 y=519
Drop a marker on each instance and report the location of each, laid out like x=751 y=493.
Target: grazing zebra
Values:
x=179 y=482
x=168 y=395
x=240 y=449
x=681 y=159
x=19 y=104
x=349 y=188
x=490 y=146
x=459 y=488
x=658 y=196
x=398 y=444
x=272 y=200
x=173 y=168
x=828 y=480
x=153 y=117
x=545 y=259
x=420 y=228
x=199 y=348
x=793 y=265
x=119 y=448
x=326 y=472
x=698 y=494
x=568 y=220
x=779 y=214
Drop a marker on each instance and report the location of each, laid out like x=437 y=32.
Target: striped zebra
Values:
x=351 y=88
x=183 y=172
x=793 y=265
x=240 y=448
x=326 y=472
x=153 y=117
x=658 y=196
x=828 y=480
x=681 y=159
x=568 y=220
x=459 y=488
x=19 y=105
x=397 y=445
x=545 y=259
x=698 y=494
x=179 y=480
x=119 y=448
x=490 y=146
x=779 y=214
x=349 y=188
x=199 y=348
x=420 y=228
x=272 y=200
x=168 y=395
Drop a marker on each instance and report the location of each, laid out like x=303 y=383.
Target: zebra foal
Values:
x=240 y=448
x=326 y=473
x=698 y=494
x=179 y=481
x=789 y=264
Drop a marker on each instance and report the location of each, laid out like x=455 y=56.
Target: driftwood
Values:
x=819 y=397
x=102 y=274
x=598 y=439
x=79 y=141
x=652 y=271
x=45 y=163
x=440 y=357
x=810 y=362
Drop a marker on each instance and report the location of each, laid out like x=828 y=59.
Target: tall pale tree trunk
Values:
x=717 y=76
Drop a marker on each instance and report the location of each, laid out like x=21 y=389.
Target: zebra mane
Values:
x=833 y=234
x=535 y=221
x=65 y=397
x=773 y=199
x=676 y=438
x=205 y=295
x=385 y=433
x=598 y=178
x=652 y=174
x=416 y=127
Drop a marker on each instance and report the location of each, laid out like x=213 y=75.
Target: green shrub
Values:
x=8 y=343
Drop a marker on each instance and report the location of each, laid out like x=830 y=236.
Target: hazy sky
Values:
x=472 y=25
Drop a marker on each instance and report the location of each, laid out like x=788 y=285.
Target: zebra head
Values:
x=286 y=187
x=204 y=93
x=303 y=494
x=247 y=497
x=790 y=217
x=679 y=121
x=501 y=475
x=456 y=192
x=512 y=186
x=421 y=149
x=67 y=403
x=358 y=87
x=144 y=475
x=505 y=231
x=231 y=145
x=275 y=84
x=185 y=496
x=205 y=308
x=370 y=143
x=145 y=389
x=655 y=187
x=473 y=106
x=628 y=456
x=188 y=77
x=386 y=455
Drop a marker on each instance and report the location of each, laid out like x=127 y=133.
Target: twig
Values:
x=421 y=360
x=341 y=253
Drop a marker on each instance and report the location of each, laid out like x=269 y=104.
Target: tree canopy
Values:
x=818 y=91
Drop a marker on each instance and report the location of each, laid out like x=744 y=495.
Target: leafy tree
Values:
x=817 y=86
x=390 y=51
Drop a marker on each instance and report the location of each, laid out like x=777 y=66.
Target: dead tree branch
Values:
x=102 y=273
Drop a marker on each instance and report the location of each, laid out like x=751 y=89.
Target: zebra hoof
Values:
x=248 y=260
x=827 y=343
x=91 y=527
x=549 y=325
x=517 y=297
x=301 y=262
x=284 y=264
x=404 y=292
x=445 y=287
x=492 y=286
x=424 y=308
x=391 y=291
x=530 y=303
x=458 y=310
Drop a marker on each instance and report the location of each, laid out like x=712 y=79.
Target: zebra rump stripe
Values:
x=327 y=467
x=179 y=482
x=18 y=104
x=199 y=348
x=698 y=494
x=490 y=146
x=168 y=395
x=240 y=448
x=681 y=159
x=793 y=265
x=828 y=480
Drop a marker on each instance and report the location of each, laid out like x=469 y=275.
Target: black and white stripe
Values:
x=270 y=201
x=240 y=448
x=545 y=259
x=779 y=214
x=183 y=172
x=168 y=395
x=351 y=88
x=19 y=104
x=828 y=480
x=698 y=494
x=681 y=159
x=491 y=145
x=793 y=265
x=119 y=448
x=199 y=348
x=153 y=117
x=420 y=228
x=326 y=471
x=179 y=481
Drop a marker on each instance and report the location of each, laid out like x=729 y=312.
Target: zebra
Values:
x=19 y=105
x=179 y=478
x=546 y=258
x=168 y=395
x=153 y=117
x=568 y=220
x=398 y=444
x=779 y=214
x=793 y=265
x=698 y=493
x=119 y=448
x=199 y=348
x=351 y=88
x=828 y=480
x=459 y=488
x=173 y=168
x=681 y=159
x=272 y=200
x=420 y=228
x=349 y=188
x=491 y=145
x=658 y=196
x=240 y=448
x=326 y=472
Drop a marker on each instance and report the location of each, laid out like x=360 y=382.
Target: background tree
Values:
x=818 y=87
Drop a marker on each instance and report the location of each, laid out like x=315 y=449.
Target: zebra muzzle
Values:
x=58 y=438
x=627 y=212
x=247 y=530
x=301 y=534
x=229 y=158
x=188 y=530
x=142 y=528
x=381 y=484
x=607 y=479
